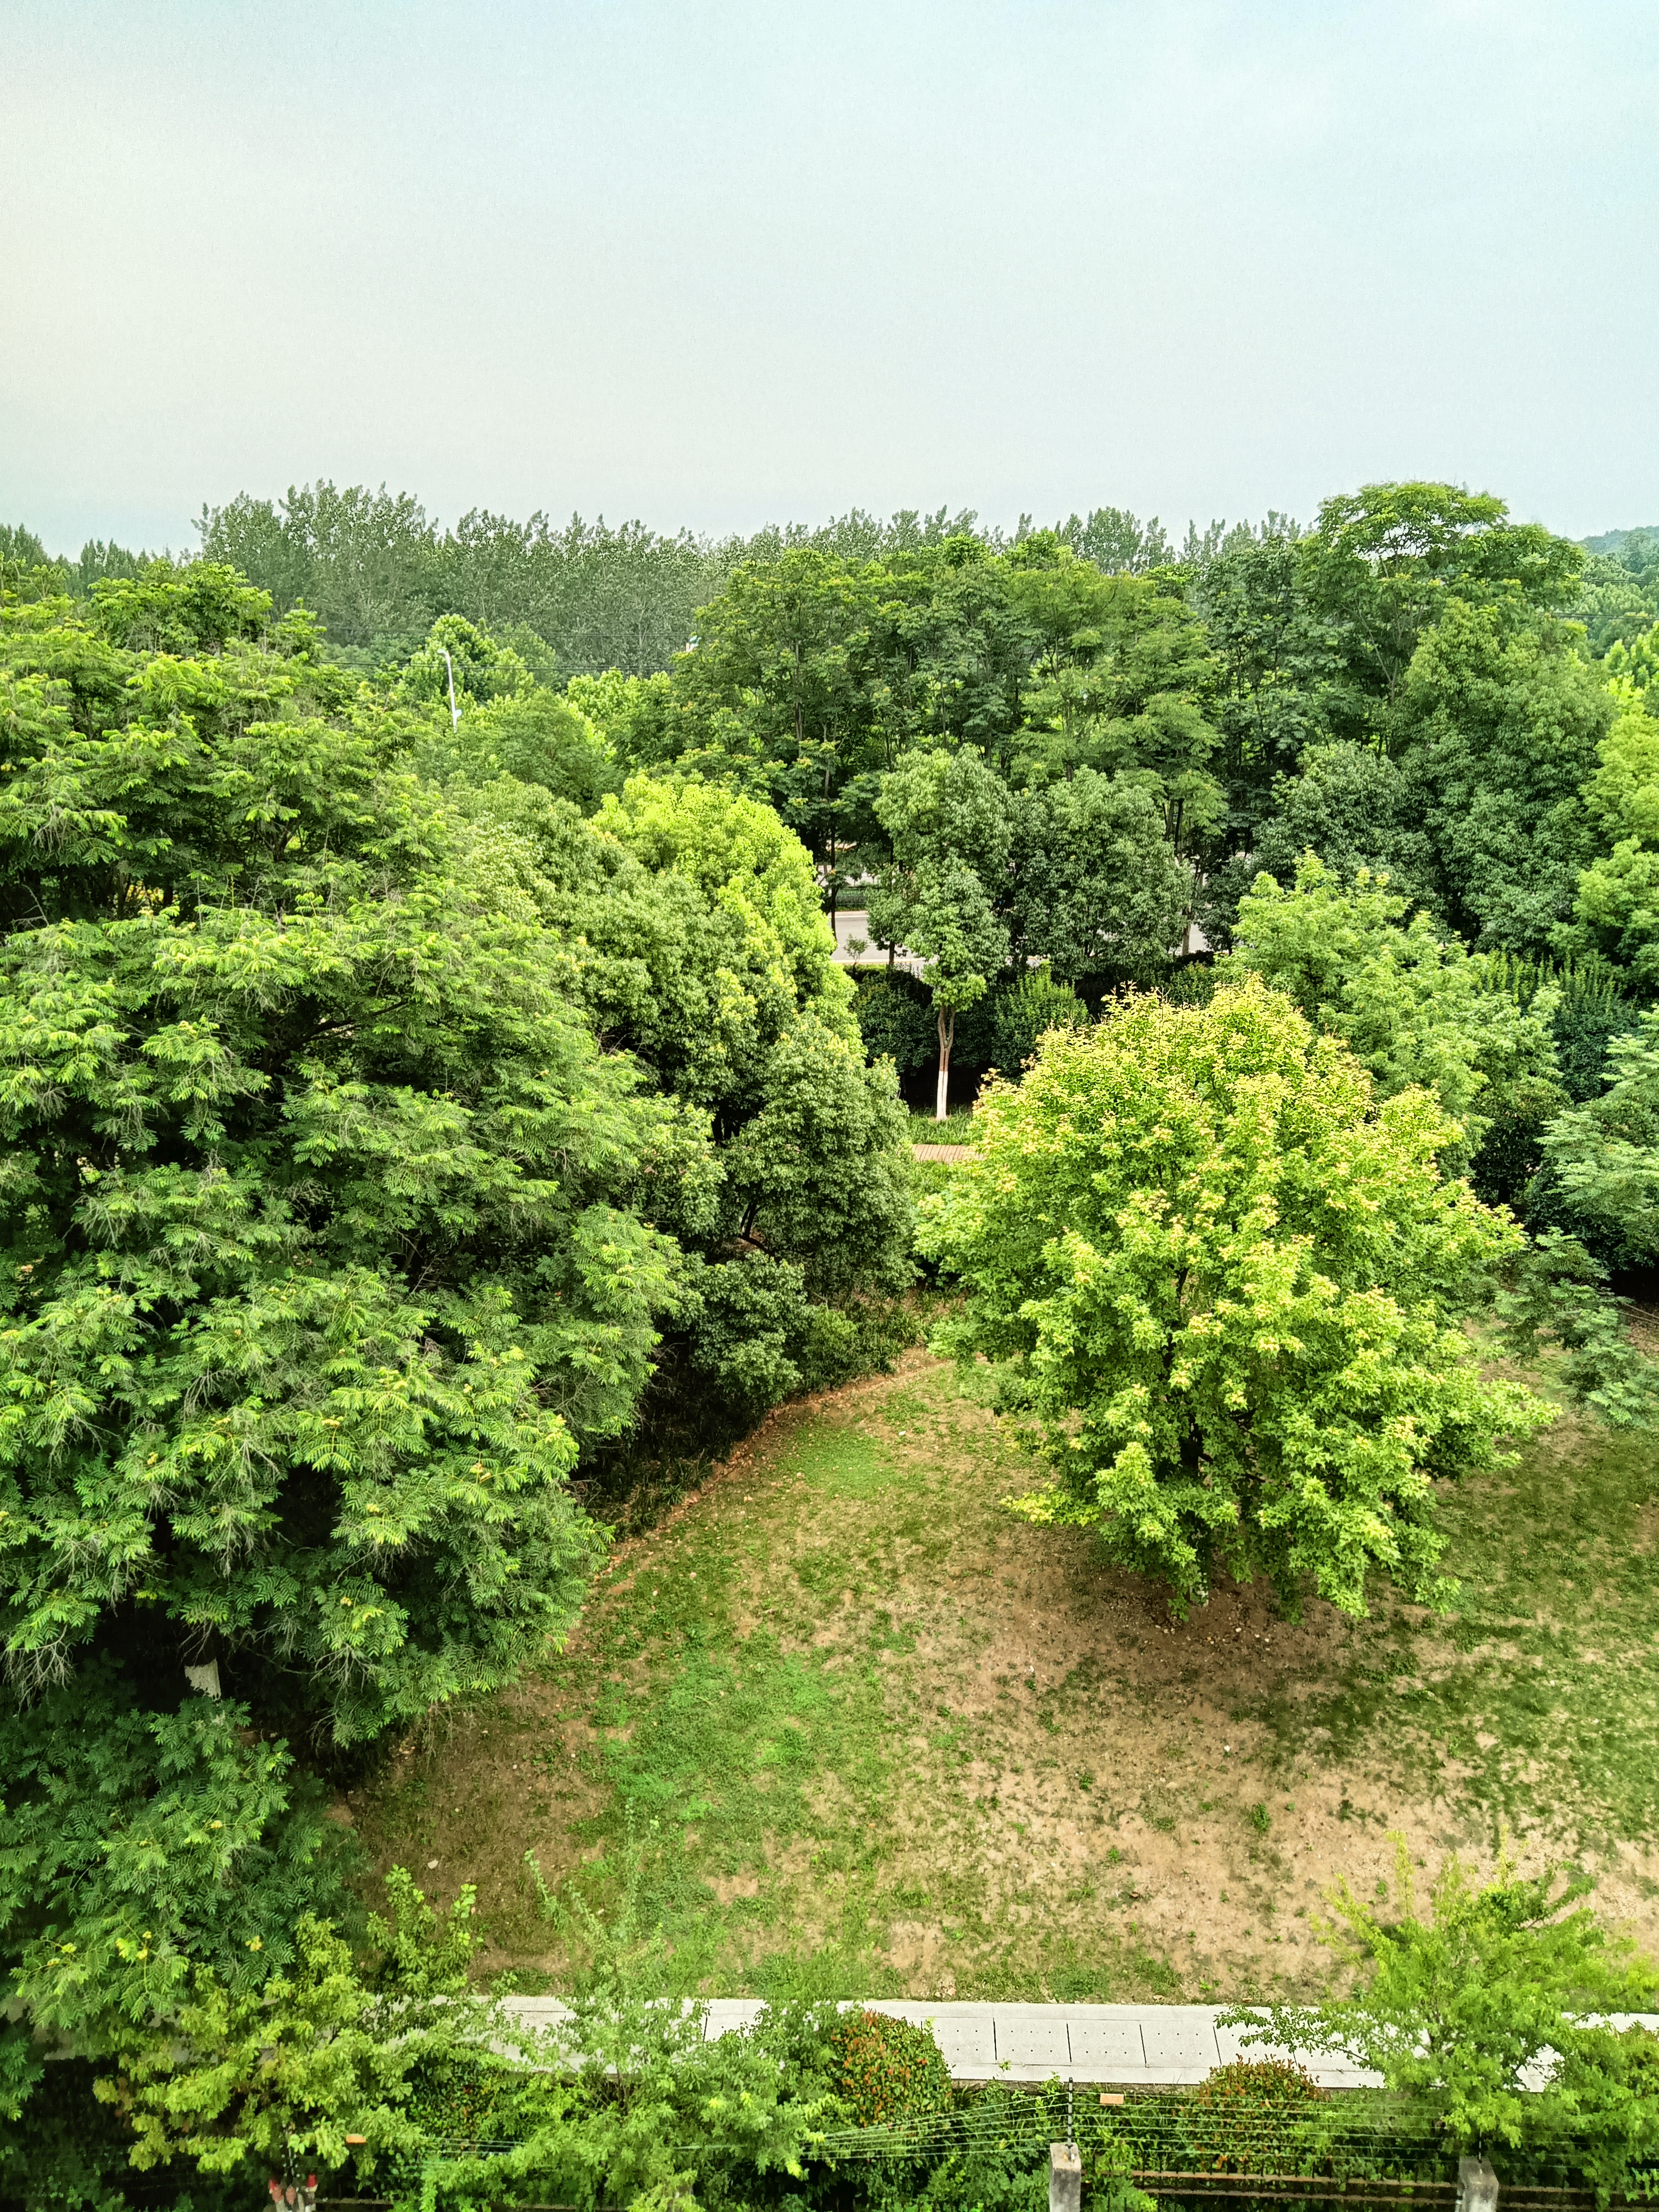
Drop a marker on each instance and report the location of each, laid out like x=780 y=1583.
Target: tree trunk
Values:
x=947 y=1032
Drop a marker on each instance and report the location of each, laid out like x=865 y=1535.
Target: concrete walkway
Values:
x=943 y=1152
x=1105 y=2047
x=1116 y=2045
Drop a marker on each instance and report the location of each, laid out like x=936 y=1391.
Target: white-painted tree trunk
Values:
x=940 y=1101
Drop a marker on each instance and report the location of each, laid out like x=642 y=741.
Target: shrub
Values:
x=1278 y=2082
x=888 y=2071
x=1594 y=1009
x=1244 y=2116
x=1024 y=1011
x=1465 y=2006
x=896 y=1022
x=1602 y=1156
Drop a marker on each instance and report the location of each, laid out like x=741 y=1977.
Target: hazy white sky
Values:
x=720 y=263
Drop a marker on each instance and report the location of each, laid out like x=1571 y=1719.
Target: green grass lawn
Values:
x=956 y=1130
x=1539 y=1700
x=873 y=1735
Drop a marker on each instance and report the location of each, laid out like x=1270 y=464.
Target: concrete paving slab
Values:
x=539 y=2012
x=725 y=2013
x=1101 y=2048
x=969 y=2048
x=964 y=2033
x=1032 y=2039
x=1179 y=2039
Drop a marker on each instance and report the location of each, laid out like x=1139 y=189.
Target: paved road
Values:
x=853 y=928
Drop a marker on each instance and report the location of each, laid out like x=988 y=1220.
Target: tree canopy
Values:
x=1227 y=1281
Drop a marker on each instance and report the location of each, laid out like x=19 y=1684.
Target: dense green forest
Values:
x=435 y=1109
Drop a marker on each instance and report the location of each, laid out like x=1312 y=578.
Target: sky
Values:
x=713 y=263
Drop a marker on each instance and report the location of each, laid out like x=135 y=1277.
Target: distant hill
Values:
x=1613 y=542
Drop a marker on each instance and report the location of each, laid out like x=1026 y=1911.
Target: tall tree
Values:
x=949 y=819
x=689 y=928
x=1097 y=885
x=781 y=663
x=1383 y=563
x=1410 y=1000
x=357 y=558
x=1275 y=657
x=1617 y=903
x=324 y=1260
x=317 y=1199
x=1496 y=725
x=1229 y=1281
x=1119 y=679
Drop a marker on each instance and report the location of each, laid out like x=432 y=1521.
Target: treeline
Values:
x=1209 y=684
x=583 y=596
x=1211 y=670
x=377 y=572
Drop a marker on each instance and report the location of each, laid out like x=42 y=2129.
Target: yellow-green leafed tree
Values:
x=1229 y=1283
